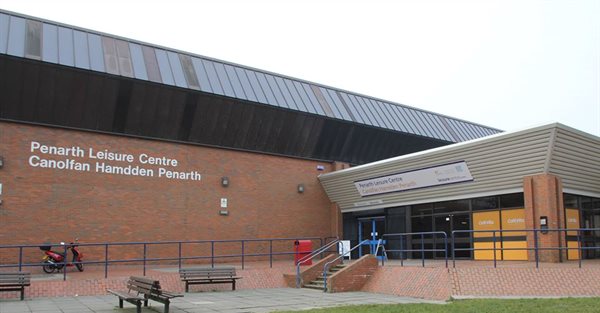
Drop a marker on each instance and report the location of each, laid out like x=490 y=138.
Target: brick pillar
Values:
x=337 y=223
x=543 y=197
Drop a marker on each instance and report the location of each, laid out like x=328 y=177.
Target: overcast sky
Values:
x=505 y=64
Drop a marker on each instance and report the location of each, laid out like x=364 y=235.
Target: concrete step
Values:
x=314 y=286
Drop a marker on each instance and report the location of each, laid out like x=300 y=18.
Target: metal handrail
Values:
x=422 y=250
x=326 y=266
x=536 y=247
x=179 y=257
x=311 y=256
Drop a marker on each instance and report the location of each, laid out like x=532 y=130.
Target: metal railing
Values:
x=326 y=266
x=145 y=259
x=497 y=242
x=311 y=256
x=421 y=239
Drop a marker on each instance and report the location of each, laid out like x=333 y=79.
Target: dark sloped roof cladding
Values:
x=65 y=76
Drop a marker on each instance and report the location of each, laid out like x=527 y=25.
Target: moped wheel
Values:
x=48 y=267
x=79 y=266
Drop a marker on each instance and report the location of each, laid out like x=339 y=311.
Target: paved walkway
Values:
x=257 y=300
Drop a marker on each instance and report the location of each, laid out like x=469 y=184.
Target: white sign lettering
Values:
x=428 y=177
x=106 y=161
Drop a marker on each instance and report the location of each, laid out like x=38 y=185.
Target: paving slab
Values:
x=240 y=301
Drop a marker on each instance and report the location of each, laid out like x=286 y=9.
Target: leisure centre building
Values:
x=105 y=138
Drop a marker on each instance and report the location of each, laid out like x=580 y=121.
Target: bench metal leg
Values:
x=233 y=284
x=120 y=303
x=167 y=306
x=138 y=306
x=187 y=287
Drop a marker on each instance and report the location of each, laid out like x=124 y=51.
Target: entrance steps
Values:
x=319 y=283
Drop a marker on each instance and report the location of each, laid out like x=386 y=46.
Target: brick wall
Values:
x=564 y=282
x=418 y=282
x=354 y=276
x=53 y=205
x=543 y=197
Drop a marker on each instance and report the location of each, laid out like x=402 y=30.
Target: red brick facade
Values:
x=544 y=198
x=52 y=205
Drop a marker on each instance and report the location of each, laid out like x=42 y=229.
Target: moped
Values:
x=56 y=260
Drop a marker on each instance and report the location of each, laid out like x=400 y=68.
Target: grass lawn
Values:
x=564 y=305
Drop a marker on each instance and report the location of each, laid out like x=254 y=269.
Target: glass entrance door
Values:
x=448 y=223
x=371 y=229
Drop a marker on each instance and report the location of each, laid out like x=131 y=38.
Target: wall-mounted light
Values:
x=300 y=188
x=1 y=161
x=224 y=181
x=223 y=212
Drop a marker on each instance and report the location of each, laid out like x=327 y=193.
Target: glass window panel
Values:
x=212 y=77
x=256 y=86
x=392 y=116
x=176 y=69
x=451 y=206
x=430 y=125
x=302 y=93
x=16 y=37
x=570 y=201
x=124 y=57
x=422 y=122
x=50 y=43
x=421 y=209
x=321 y=101
x=95 y=49
x=361 y=106
x=248 y=90
x=189 y=71
x=445 y=134
x=513 y=200
x=417 y=122
x=285 y=92
x=235 y=82
x=313 y=99
x=358 y=114
x=278 y=96
x=376 y=116
x=33 y=48
x=468 y=130
x=66 y=54
x=164 y=67
x=4 y=19
x=402 y=123
x=151 y=63
x=202 y=76
x=406 y=121
x=82 y=56
x=334 y=108
x=225 y=83
x=485 y=203
x=297 y=99
x=339 y=105
x=457 y=129
x=137 y=59
x=110 y=55
x=262 y=80
x=384 y=114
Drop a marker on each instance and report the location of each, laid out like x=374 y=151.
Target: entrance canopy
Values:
x=482 y=167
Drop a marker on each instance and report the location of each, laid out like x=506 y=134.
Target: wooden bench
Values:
x=15 y=281
x=208 y=275
x=142 y=289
